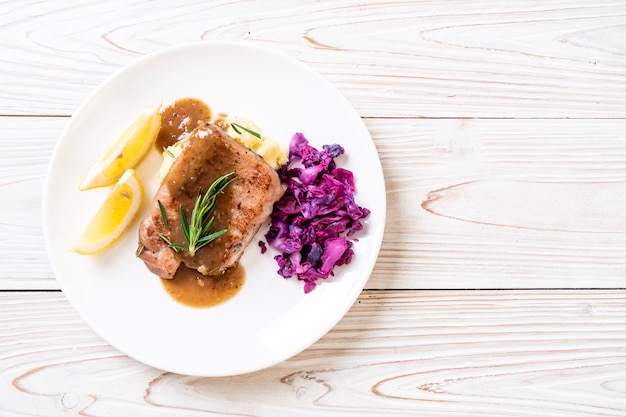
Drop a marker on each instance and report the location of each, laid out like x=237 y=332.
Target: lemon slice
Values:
x=114 y=216
x=127 y=151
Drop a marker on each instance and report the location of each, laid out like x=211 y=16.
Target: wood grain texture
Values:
x=391 y=59
x=501 y=127
x=27 y=144
x=439 y=353
x=502 y=203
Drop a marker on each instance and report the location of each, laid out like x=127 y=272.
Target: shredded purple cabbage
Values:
x=313 y=222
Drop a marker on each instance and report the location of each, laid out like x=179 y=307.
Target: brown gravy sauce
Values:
x=189 y=287
x=193 y=289
x=180 y=118
x=220 y=120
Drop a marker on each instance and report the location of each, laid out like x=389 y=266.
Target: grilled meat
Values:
x=245 y=204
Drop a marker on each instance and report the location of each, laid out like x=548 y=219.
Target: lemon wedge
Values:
x=114 y=216
x=127 y=151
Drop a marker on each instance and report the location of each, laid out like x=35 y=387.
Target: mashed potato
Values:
x=169 y=155
x=274 y=153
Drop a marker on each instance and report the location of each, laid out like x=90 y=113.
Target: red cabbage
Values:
x=313 y=222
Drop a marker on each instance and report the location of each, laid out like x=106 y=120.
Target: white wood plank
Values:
x=437 y=353
x=471 y=203
x=500 y=202
x=27 y=143
x=411 y=59
x=503 y=204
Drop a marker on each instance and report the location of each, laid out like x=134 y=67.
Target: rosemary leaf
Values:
x=163 y=216
x=184 y=225
x=168 y=152
x=175 y=246
x=209 y=238
x=237 y=126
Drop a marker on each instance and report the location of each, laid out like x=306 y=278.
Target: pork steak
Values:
x=246 y=203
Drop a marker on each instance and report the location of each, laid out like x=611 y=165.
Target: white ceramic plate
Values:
x=270 y=319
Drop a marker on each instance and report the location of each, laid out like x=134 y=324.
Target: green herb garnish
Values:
x=199 y=231
x=163 y=216
x=237 y=126
x=168 y=152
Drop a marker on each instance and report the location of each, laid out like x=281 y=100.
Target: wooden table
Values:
x=499 y=289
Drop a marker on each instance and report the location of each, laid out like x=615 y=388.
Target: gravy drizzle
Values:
x=180 y=118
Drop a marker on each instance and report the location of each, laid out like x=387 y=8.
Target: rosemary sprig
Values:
x=237 y=126
x=199 y=231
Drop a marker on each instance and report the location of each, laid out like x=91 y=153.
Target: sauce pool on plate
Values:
x=193 y=289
